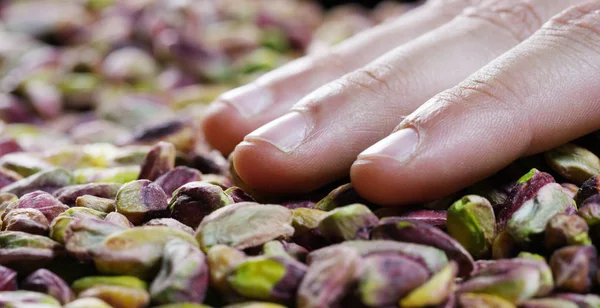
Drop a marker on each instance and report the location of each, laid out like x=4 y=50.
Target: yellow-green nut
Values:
x=136 y=251
x=563 y=230
x=82 y=236
x=270 y=278
x=262 y=223
x=530 y=220
x=121 y=174
x=350 y=222
x=96 y=203
x=474 y=300
x=141 y=200
x=88 y=302
x=549 y=303
x=27 y=299
x=60 y=224
x=221 y=261
x=85 y=283
x=575 y=163
x=117 y=291
x=48 y=180
x=25 y=252
x=183 y=305
x=341 y=196
x=254 y=305
x=183 y=275
x=330 y=277
x=389 y=277
x=471 y=221
x=433 y=292
x=516 y=280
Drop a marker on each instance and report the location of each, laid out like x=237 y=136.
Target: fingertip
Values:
x=224 y=127
x=387 y=182
x=264 y=167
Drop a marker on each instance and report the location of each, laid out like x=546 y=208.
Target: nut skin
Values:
x=574 y=268
x=269 y=278
x=588 y=189
x=47 y=180
x=8 y=177
x=69 y=194
x=195 y=200
x=96 y=203
x=8 y=279
x=529 y=222
x=425 y=234
x=141 y=201
x=171 y=223
x=350 y=222
x=176 y=178
x=389 y=277
x=183 y=276
x=177 y=132
x=431 y=258
x=27 y=220
x=525 y=189
x=263 y=222
x=239 y=195
x=120 y=252
x=341 y=196
x=159 y=160
x=436 y=218
x=42 y=201
x=471 y=221
x=563 y=230
x=574 y=163
x=25 y=252
x=328 y=279
x=44 y=281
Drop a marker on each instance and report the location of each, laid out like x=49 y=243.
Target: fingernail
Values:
x=399 y=145
x=285 y=133
x=249 y=100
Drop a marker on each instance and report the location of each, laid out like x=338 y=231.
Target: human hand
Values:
x=528 y=99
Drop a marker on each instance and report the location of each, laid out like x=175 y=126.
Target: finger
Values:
x=319 y=140
x=537 y=96
x=243 y=110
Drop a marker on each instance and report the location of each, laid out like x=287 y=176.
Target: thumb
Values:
x=535 y=97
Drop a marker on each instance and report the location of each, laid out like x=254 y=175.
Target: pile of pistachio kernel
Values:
x=109 y=196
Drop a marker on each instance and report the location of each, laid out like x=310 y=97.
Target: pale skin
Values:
x=423 y=106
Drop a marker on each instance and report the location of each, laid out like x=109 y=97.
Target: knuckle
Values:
x=372 y=78
x=578 y=25
x=453 y=7
x=519 y=18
